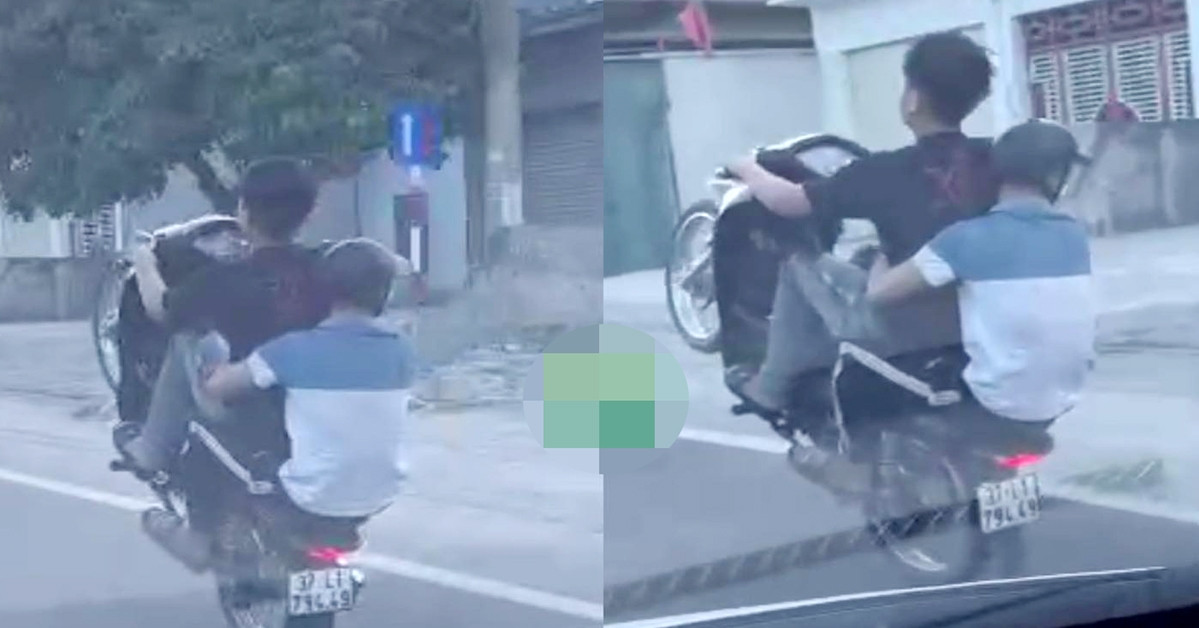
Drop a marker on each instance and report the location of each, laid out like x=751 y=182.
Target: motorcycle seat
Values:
x=344 y=535
x=982 y=433
x=304 y=530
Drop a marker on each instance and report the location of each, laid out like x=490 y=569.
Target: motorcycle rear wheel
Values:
x=702 y=335
x=954 y=549
x=242 y=545
x=241 y=553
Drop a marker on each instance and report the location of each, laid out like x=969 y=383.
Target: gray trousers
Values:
x=820 y=302
x=177 y=400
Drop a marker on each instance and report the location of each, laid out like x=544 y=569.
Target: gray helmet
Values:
x=1040 y=153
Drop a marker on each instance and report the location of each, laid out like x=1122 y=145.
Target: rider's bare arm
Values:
x=859 y=190
x=776 y=193
x=229 y=381
x=893 y=284
x=149 y=283
x=927 y=269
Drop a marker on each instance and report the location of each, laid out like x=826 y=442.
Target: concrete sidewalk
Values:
x=58 y=360
x=1134 y=272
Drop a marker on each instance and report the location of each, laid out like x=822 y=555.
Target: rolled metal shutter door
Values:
x=564 y=166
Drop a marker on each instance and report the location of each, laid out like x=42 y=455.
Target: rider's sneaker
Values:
x=171 y=532
x=830 y=470
x=136 y=453
x=743 y=382
x=123 y=432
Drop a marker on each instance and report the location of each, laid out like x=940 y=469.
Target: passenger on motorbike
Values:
x=909 y=194
x=1022 y=275
x=347 y=383
x=274 y=290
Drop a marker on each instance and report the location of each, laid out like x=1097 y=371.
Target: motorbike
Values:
x=690 y=285
x=269 y=573
x=942 y=497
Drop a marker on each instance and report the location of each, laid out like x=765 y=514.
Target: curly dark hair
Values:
x=951 y=72
x=278 y=194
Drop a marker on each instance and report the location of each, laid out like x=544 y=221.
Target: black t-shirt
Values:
x=273 y=291
x=910 y=195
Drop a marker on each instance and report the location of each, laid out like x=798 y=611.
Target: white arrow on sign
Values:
x=407 y=122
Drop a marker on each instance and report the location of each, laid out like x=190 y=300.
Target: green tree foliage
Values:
x=100 y=98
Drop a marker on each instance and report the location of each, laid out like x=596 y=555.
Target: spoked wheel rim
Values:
x=105 y=326
x=692 y=286
x=109 y=350
x=247 y=556
x=930 y=483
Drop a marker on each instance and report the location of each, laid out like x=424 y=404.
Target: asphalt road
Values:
x=731 y=495
x=705 y=502
x=489 y=534
x=74 y=563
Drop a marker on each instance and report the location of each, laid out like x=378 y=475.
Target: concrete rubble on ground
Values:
x=57 y=360
x=484 y=375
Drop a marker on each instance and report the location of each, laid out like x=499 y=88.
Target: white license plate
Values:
x=1009 y=503
x=320 y=591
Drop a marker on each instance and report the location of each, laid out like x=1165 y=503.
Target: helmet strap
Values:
x=1053 y=185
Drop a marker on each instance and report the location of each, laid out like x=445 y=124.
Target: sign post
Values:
x=416 y=135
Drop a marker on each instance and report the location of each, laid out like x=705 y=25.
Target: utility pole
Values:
x=500 y=39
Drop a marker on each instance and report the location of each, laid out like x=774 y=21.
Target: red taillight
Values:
x=1019 y=460
x=328 y=555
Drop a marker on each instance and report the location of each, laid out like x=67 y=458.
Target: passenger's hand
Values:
x=143 y=256
x=866 y=256
x=740 y=167
x=212 y=351
x=403 y=266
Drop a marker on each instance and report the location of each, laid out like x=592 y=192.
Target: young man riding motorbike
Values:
x=909 y=194
x=1023 y=278
x=274 y=290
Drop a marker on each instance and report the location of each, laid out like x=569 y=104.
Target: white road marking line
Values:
x=484 y=586
x=968 y=588
x=512 y=593
x=776 y=445
x=768 y=445
x=124 y=502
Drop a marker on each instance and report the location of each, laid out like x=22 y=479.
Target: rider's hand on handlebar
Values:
x=740 y=167
x=143 y=255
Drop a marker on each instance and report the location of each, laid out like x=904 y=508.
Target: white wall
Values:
x=840 y=28
x=843 y=26
x=721 y=107
x=40 y=237
x=876 y=84
x=342 y=206
x=180 y=200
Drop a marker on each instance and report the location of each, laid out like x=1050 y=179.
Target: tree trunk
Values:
x=223 y=200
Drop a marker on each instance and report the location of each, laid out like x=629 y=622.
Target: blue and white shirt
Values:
x=348 y=385
x=1028 y=310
